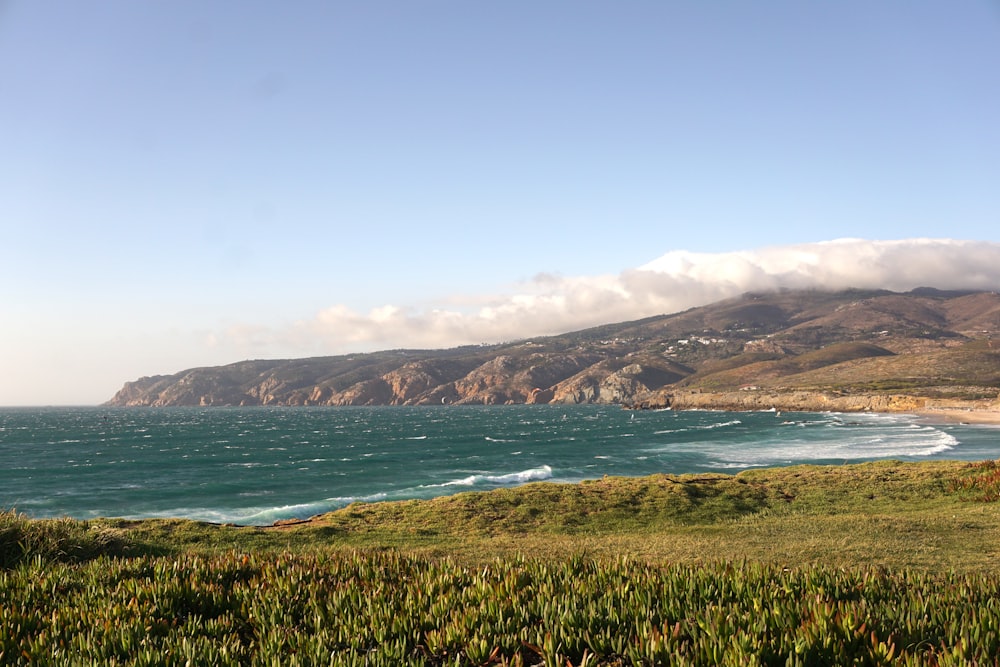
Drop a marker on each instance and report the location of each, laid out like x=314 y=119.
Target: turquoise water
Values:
x=258 y=465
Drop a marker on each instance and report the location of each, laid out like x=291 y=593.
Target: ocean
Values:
x=258 y=465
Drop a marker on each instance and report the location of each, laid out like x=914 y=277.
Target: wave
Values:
x=305 y=510
x=882 y=442
x=699 y=427
x=265 y=516
x=510 y=479
x=530 y=475
x=732 y=422
x=825 y=438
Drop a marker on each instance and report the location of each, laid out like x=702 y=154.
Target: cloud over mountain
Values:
x=675 y=281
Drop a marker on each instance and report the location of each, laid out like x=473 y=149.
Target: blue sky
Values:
x=189 y=183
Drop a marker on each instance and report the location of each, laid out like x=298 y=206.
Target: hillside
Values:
x=927 y=343
x=877 y=563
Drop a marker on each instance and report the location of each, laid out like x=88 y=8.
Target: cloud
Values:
x=678 y=280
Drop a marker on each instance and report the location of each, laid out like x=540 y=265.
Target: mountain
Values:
x=755 y=350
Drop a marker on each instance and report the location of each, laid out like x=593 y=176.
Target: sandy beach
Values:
x=962 y=415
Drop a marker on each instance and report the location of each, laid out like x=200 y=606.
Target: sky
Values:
x=187 y=182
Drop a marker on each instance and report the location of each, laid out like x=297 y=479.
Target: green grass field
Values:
x=877 y=563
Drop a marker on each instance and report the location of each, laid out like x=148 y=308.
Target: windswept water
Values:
x=258 y=465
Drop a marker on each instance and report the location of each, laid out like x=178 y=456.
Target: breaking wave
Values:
x=511 y=479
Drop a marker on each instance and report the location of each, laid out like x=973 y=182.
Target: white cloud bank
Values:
x=676 y=281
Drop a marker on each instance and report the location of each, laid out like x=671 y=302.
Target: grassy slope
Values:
x=758 y=368
x=971 y=370
x=886 y=513
x=885 y=538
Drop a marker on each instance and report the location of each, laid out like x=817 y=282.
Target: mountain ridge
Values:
x=927 y=342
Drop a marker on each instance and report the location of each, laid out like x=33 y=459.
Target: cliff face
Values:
x=806 y=350
x=616 y=381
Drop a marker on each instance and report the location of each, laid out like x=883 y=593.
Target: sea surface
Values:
x=261 y=464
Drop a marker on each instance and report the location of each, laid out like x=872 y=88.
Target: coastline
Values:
x=952 y=415
x=981 y=411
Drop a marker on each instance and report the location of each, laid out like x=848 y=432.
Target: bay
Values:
x=261 y=464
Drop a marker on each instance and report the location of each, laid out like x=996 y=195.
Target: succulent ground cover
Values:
x=880 y=563
x=392 y=609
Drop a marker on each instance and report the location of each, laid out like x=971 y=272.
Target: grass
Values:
x=928 y=515
x=761 y=368
x=973 y=365
x=870 y=564
x=891 y=513
x=970 y=371
x=63 y=540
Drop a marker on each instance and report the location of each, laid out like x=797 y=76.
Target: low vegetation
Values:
x=63 y=540
x=878 y=563
x=394 y=609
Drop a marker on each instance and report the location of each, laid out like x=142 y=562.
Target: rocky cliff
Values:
x=850 y=350
x=794 y=400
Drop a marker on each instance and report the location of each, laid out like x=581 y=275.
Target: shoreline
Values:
x=981 y=417
x=943 y=410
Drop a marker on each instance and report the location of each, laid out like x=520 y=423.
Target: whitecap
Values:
x=510 y=479
x=530 y=475
x=267 y=516
x=732 y=422
x=889 y=441
x=464 y=481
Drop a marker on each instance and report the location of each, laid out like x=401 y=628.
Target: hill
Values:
x=856 y=343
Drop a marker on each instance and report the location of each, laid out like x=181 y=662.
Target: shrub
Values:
x=62 y=540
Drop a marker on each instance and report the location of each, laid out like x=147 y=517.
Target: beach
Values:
x=954 y=411
x=962 y=416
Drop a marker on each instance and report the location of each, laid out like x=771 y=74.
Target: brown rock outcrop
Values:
x=508 y=379
x=369 y=392
x=540 y=396
x=802 y=401
x=414 y=382
x=616 y=381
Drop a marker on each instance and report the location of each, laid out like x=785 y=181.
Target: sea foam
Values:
x=510 y=479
